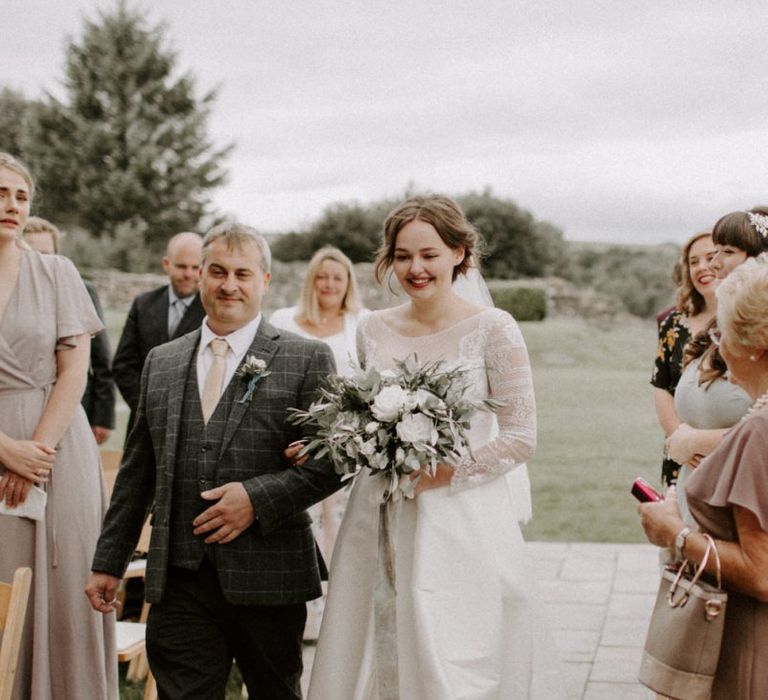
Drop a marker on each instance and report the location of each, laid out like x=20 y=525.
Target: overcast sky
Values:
x=615 y=121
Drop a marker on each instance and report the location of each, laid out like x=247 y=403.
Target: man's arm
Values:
x=279 y=496
x=132 y=496
x=126 y=366
x=101 y=384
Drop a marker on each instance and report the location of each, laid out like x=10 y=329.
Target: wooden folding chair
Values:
x=131 y=645
x=130 y=632
x=13 y=610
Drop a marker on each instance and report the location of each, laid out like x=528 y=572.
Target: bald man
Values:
x=160 y=315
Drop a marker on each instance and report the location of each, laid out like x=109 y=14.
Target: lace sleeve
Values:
x=510 y=380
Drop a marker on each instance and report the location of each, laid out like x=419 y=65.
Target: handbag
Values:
x=682 y=647
x=32 y=508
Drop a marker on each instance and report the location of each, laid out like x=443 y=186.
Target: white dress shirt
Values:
x=239 y=341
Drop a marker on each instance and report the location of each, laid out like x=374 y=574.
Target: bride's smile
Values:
x=422 y=261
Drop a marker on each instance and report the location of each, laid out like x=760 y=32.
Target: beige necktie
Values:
x=215 y=379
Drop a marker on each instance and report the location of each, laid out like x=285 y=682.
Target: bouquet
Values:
x=398 y=423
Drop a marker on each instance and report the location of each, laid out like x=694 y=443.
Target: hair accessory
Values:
x=760 y=222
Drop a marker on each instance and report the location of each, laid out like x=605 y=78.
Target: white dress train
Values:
x=469 y=624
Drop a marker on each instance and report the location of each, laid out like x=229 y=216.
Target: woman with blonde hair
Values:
x=46 y=323
x=329 y=310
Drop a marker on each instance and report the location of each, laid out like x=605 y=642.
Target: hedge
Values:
x=524 y=303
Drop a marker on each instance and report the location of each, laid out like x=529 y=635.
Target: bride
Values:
x=467 y=621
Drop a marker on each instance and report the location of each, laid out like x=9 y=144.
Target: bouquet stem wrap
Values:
x=385 y=604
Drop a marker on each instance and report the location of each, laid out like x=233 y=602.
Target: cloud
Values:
x=639 y=122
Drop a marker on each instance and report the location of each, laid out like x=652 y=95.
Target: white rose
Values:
x=415 y=427
x=389 y=403
x=368 y=448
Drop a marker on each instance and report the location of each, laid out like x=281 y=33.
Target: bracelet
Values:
x=680 y=539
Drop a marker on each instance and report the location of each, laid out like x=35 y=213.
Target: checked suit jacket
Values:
x=275 y=560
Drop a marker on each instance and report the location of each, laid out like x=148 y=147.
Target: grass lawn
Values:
x=597 y=428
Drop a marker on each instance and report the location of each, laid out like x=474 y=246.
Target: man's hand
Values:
x=101 y=591
x=228 y=518
x=291 y=453
x=100 y=434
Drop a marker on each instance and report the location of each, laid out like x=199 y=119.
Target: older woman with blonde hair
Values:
x=726 y=494
x=329 y=310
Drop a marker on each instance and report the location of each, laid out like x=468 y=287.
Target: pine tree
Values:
x=128 y=147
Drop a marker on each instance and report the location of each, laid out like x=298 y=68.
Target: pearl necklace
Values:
x=760 y=402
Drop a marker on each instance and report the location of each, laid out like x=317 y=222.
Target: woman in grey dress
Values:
x=727 y=495
x=46 y=320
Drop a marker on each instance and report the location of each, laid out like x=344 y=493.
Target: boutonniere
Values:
x=252 y=370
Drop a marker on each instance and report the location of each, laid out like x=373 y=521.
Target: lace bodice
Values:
x=491 y=346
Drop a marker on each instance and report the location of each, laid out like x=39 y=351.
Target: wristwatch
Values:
x=680 y=539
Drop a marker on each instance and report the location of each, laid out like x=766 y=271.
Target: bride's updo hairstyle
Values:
x=742 y=299
x=746 y=230
x=445 y=216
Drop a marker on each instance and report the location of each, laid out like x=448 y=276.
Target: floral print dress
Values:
x=674 y=334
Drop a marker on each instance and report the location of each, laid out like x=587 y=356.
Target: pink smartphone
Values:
x=644 y=492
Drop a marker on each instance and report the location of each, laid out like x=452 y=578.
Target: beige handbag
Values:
x=682 y=648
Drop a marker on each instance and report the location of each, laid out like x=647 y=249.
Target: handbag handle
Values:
x=711 y=547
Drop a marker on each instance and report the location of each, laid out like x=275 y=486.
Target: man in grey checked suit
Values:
x=232 y=559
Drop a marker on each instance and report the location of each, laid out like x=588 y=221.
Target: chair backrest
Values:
x=110 y=464
x=13 y=609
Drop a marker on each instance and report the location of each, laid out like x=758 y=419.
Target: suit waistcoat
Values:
x=195 y=470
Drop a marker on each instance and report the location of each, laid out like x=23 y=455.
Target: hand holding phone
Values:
x=644 y=492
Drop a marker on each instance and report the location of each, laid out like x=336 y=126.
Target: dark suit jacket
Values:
x=145 y=328
x=275 y=560
x=99 y=397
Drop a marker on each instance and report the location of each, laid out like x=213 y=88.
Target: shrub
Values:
x=524 y=303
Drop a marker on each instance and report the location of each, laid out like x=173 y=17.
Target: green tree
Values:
x=517 y=244
x=354 y=228
x=129 y=144
x=15 y=114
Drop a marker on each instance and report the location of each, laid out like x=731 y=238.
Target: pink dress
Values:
x=736 y=474
x=68 y=649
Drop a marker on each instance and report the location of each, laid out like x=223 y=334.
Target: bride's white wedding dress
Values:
x=469 y=624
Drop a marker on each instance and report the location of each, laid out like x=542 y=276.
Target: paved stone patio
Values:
x=599 y=598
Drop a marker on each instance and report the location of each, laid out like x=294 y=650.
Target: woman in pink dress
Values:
x=46 y=321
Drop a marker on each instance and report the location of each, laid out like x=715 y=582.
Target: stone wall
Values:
x=117 y=290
